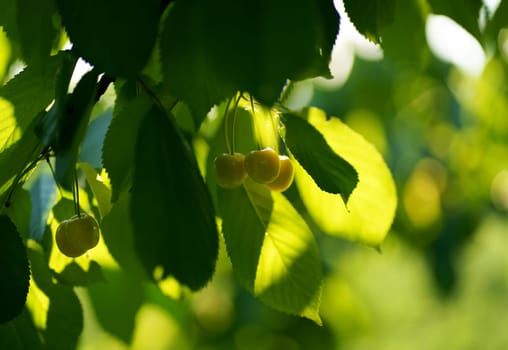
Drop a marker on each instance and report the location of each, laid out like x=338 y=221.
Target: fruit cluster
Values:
x=263 y=166
x=75 y=236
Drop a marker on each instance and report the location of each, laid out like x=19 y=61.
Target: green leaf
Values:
x=116 y=36
x=119 y=144
x=8 y=18
x=371 y=206
x=19 y=212
x=101 y=192
x=117 y=315
x=64 y=320
x=273 y=251
x=15 y=272
x=210 y=50
x=72 y=124
x=43 y=198
x=74 y=275
x=20 y=333
x=117 y=232
x=37 y=32
x=466 y=13
x=370 y=16
x=14 y=160
x=330 y=171
x=404 y=40
x=174 y=223
x=23 y=97
x=64 y=317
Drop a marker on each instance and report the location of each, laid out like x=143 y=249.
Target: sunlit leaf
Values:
x=101 y=192
x=23 y=97
x=330 y=171
x=116 y=36
x=174 y=222
x=19 y=212
x=371 y=206
x=210 y=50
x=272 y=249
x=119 y=144
x=64 y=318
x=15 y=272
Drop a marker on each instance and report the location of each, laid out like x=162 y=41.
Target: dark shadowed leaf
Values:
x=174 y=222
x=37 y=32
x=329 y=170
x=73 y=121
x=116 y=36
x=209 y=50
x=20 y=333
x=273 y=251
x=404 y=39
x=464 y=12
x=370 y=16
x=119 y=144
x=117 y=315
x=75 y=275
x=15 y=272
x=118 y=235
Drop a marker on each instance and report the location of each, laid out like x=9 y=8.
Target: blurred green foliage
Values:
x=441 y=281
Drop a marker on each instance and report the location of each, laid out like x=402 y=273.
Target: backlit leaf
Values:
x=272 y=249
x=174 y=223
x=101 y=192
x=64 y=318
x=371 y=206
x=23 y=97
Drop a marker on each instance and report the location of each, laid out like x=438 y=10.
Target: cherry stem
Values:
x=233 y=132
x=226 y=129
x=256 y=131
x=54 y=175
x=76 y=194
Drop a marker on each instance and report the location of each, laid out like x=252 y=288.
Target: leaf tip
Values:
x=313 y=315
